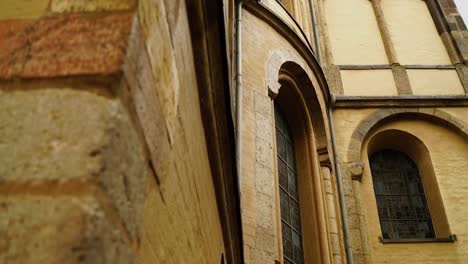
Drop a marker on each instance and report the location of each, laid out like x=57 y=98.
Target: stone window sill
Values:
x=451 y=238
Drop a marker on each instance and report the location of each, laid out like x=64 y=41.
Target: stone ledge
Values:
x=411 y=101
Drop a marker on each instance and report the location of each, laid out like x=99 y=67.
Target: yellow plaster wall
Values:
x=354 y=34
x=413 y=33
x=435 y=82
x=368 y=82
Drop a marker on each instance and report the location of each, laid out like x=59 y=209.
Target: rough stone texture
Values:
x=266 y=248
x=66 y=45
x=335 y=233
x=335 y=82
x=59 y=229
x=457 y=27
x=263 y=61
x=181 y=222
x=462 y=71
x=44 y=123
x=451 y=48
x=401 y=79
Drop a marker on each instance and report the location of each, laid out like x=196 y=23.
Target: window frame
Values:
x=315 y=241
x=388 y=192
x=283 y=130
x=415 y=149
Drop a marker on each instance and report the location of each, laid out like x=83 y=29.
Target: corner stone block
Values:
x=72 y=131
x=264 y=128
x=263 y=104
x=264 y=180
x=58 y=230
x=264 y=152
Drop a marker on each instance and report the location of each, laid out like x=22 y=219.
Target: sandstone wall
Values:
x=103 y=155
x=262 y=59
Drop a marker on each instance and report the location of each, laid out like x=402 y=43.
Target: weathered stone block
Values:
x=265 y=212
x=51 y=131
x=263 y=104
x=64 y=45
x=264 y=180
x=264 y=152
x=264 y=127
x=40 y=229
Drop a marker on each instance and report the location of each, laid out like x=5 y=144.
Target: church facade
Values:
x=255 y=131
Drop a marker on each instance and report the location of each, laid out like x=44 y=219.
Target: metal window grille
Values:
x=289 y=196
x=399 y=192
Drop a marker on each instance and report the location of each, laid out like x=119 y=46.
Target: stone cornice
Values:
x=402 y=101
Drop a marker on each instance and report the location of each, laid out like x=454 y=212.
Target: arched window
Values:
x=289 y=195
x=399 y=192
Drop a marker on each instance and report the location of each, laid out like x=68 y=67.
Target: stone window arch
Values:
x=408 y=163
x=290 y=207
x=310 y=193
x=301 y=94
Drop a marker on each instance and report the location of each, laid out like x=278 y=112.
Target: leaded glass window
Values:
x=399 y=192
x=289 y=196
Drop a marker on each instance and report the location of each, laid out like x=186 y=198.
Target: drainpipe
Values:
x=239 y=95
x=339 y=179
x=315 y=30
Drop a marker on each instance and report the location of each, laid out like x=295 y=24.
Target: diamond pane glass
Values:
x=401 y=202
